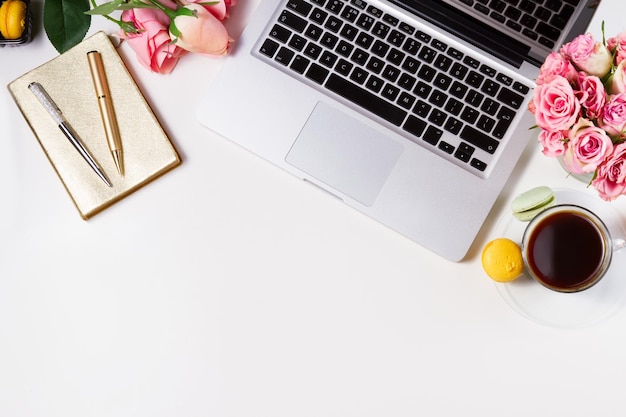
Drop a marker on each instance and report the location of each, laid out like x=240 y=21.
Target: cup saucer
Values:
x=539 y=304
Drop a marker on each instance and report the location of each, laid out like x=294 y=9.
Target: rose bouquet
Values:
x=159 y=31
x=580 y=106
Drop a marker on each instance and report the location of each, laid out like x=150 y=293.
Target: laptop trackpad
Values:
x=344 y=153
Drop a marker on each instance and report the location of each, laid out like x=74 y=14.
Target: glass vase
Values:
x=585 y=178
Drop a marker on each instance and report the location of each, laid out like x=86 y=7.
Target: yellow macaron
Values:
x=12 y=19
x=502 y=260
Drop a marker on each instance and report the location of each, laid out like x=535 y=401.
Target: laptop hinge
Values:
x=470 y=30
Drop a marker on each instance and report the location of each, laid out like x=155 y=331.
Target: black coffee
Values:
x=566 y=250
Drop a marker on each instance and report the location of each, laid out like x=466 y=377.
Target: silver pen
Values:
x=56 y=114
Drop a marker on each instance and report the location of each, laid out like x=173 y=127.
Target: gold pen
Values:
x=107 y=112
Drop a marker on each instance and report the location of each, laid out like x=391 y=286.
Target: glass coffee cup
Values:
x=568 y=248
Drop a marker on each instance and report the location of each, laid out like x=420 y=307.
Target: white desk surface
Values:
x=230 y=288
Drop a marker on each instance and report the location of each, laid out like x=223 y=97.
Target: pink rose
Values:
x=611 y=178
x=153 y=46
x=587 y=147
x=613 y=118
x=218 y=8
x=588 y=55
x=556 y=64
x=552 y=143
x=617 y=45
x=617 y=83
x=202 y=33
x=556 y=107
x=591 y=95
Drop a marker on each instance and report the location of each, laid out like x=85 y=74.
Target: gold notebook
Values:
x=148 y=152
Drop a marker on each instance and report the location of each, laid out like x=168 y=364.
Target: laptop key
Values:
x=505 y=117
x=344 y=67
x=432 y=135
x=374 y=83
x=369 y=101
x=375 y=65
x=359 y=75
x=328 y=59
x=284 y=56
x=280 y=33
x=313 y=32
x=414 y=126
x=381 y=30
x=359 y=56
x=548 y=31
x=364 y=39
x=350 y=13
x=520 y=88
x=446 y=147
x=317 y=73
x=299 y=64
x=312 y=50
x=406 y=100
x=329 y=40
x=497 y=5
x=405 y=27
x=293 y=21
x=390 y=73
x=349 y=32
x=380 y=48
x=478 y=164
x=365 y=22
x=334 y=6
x=462 y=156
x=318 y=16
x=269 y=48
x=510 y=98
x=479 y=139
x=453 y=125
x=497 y=17
x=344 y=48
x=297 y=42
x=299 y=6
x=422 y=89
x=427 y=54
x=454 y=106
x=333 y=24
x=375 y=11
x=410 y=64
x=514 y=25
x=396 y=38
x=392 y=20
x=390 y=92
x=422 y=108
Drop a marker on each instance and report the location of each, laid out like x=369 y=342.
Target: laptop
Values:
x=413 y=112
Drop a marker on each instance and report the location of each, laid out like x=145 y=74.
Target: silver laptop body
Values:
x=399 y=160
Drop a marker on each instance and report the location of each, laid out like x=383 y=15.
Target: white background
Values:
x=230 y=288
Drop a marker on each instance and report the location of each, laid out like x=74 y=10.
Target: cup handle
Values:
x=618 y=244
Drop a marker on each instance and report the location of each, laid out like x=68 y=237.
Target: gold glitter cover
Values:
x=147 y=151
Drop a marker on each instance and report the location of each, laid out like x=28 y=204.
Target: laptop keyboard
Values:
x=538 y=20
x=440 y=97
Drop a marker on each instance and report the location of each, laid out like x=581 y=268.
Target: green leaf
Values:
x=65 y=22
x=105 y=8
